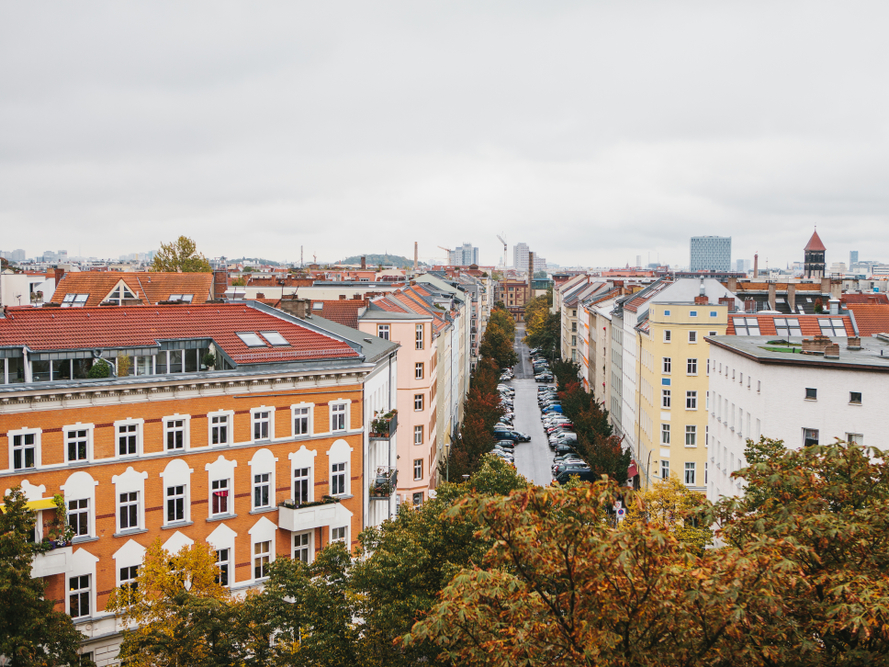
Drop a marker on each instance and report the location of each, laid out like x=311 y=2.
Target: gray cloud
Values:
x=592 y=131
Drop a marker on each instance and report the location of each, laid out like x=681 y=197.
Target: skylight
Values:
x=75 y=300
x=251 y=339
x=181 y=297
x=274 y=338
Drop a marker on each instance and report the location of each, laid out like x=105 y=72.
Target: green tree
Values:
x=670 y=503
x=32 y=633
x=497 y=344
x=405 y=563
x=180 y=256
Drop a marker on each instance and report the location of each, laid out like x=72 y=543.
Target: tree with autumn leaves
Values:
x=801 y=578
x=542 y=327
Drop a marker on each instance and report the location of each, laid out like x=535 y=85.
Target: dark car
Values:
x=507 y=435
x=583 y=474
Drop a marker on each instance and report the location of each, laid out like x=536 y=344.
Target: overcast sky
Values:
x=593 y=131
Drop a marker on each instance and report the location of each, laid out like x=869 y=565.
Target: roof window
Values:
x=75 y=300
x=185 y=298
x=119 y=293
x=833 y=326
x=274 y=338
x=317 y=305
x=251 y=339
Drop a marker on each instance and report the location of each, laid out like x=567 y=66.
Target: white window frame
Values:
x=310 y=485
x=128 y=423
x=665 y=433
x=691 y=366
x=666 y=399
x=691 y=400
x=691 y=467
x=82 y=592
x=419 y=399
x=257 y=484
x=339 y=473
x=128 y=503
x=11 y=435
x=666 y=365
x=418 y=431
x=132 y=573
x=342 y=535
x=665 y=469
x=418 y=465
x=693 y=337
x=340 y=403
x=303 y=542
x=419 y=370
x=419 y=338
x=857 y=438
x=668 y=335
x=256 y=555
x=224 y=558
x=90 y=521
x=229 y=416
x=691 y=433
x=185 y=504
x=186 y=430
x=221 y=484
x=73 y=428
x=383 y=331
x=295 y=411
x=269 y=421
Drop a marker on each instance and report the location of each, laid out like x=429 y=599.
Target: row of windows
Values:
x=383 y=331
x=78 y=439
x=80 y=588
x=690 y=477
x=691 y=366
x=694 y=313
x=790 y=326
x=691 y=435
x=692 y=336
x=854 y=396
x=177 y=501
x=691 y=399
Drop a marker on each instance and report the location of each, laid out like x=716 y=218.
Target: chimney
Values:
x=773 y=293
x=834 y=307
x=749 y=305
x=530 y=271
x=59 y=274
x=301 y=308
x=701 y=300
x=825 y=285
x=728 y=302
x=832 y=351
x=732 y=285
x=220 y=283
x=755 y=266
x=363 y=262
x=816 y=345
x=416 y=255
x=791 y=297
x=853 y=343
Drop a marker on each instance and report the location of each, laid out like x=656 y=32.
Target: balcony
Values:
x=52 y=562
x=384 y=426
x=326 y=512
x=384 y=483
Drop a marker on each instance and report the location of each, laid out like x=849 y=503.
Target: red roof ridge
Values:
x=815 y=244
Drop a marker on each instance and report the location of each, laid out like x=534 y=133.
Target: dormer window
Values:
x=119 y=293
x=251 y=339
x=184 y=298
x=275 y=338
x=75 y=300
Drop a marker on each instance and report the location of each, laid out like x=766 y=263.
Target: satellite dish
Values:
x=97 y=353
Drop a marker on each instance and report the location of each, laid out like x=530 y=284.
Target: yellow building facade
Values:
x=673 y=382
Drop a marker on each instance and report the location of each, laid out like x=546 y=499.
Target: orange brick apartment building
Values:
x=238 y=455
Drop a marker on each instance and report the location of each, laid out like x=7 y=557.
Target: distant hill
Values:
x=386 y=260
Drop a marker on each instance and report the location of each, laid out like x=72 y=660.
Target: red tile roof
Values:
x=808 y=324
x=871 y=318
x=150 y=287
x=42 y=329
x=342 y=311
x=815 y=243
x=865 y=298
x=270 y=281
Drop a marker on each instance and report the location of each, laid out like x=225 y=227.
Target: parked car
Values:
x=583 y=474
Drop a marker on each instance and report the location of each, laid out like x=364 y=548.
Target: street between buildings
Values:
x=533 y=459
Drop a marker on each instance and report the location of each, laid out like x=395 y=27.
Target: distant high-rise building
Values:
x=17 y=255
x=711 y=253
x=853 y=258
x=520 y=256
x=742 y=265
x=813 y=257
x=465 y=255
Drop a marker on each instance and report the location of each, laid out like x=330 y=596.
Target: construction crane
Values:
x=447 y=254
x=500 y=238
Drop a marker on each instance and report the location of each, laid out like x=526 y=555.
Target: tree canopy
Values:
x=32 y=633
x=180 y=256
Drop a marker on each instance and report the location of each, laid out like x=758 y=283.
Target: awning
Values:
x=632 y=471
x=42 y=504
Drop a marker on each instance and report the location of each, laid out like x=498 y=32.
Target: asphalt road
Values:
x=533 y=459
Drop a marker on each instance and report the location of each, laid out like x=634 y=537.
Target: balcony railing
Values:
x=384 y=427
x=328 y=511
x=384 y=484
x=51 y=562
